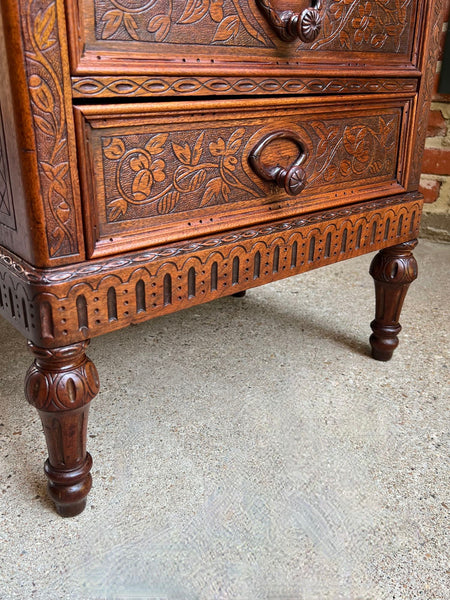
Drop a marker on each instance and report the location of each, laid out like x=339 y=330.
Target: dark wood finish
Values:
x=393 y=269
x=243 y=159
x=60 y=384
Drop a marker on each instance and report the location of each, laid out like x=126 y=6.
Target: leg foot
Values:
x=60 y=384
x=392 y=269
x=239 y=294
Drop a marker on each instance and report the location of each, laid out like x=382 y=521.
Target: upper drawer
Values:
x=225 y=36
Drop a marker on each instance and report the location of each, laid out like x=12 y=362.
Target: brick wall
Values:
x=435 y=180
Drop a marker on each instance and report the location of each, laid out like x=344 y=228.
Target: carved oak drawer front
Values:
x=222 y=36
x=154 y=173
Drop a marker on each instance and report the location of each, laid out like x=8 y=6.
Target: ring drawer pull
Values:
x=293 y=178
x=289 y=25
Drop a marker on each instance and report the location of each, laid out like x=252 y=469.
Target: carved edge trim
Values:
x=64 y=274
x=88 y=87
x=108 y=295
x=430 y=49
x=43 y=38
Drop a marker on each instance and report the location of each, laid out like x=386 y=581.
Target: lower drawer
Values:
x=159 y=172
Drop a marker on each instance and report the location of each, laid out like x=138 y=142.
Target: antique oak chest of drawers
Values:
x=157 y=154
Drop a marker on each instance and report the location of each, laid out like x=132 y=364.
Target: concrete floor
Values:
x=247 y=449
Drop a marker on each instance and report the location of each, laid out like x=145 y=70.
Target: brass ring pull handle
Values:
x=293 y=178
x=289 y=25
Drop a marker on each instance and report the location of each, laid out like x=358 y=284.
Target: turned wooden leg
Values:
x=60 y=384
x=393 y=269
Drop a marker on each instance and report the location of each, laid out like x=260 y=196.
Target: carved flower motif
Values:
x=364 y=24
x=310 y=24
x=147 y=171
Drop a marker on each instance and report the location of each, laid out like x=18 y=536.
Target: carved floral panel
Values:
x=161 y=173
x=46 y=73
x=356 y=25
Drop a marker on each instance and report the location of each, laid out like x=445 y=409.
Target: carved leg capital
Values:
x=60 y=384
x=393 y=269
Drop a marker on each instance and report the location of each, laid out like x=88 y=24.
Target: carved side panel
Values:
x=434 y=18
x=91 y=299
x=41 y=84
x=7 y=215
x=43 y=32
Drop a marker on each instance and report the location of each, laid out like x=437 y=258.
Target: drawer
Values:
x=222 y=37
x=160 y=172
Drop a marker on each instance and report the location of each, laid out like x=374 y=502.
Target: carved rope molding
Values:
x=59 y=307
x=47 y=78
x=169 y=86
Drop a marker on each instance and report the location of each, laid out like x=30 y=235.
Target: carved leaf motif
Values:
x=216 y=11
x=198 y=150
x=217 y=148
x=195 y=11
x=43 y=27
x=189 y=179
x=168 y=202
x=213 y=190
x=55 y=172
x=356 y=143
x=345 y=167
x=225 y=191
x=227 y=29
x=46 y=126
x=41 y=94
x=375 y=167
x=344 y=38
x=330 y=173
x=160 y=26
x=235 y=141
x=378 y=40
x=117 y=207
x=183 y=153
x=115 y=149
x=155 y=145
x=63 y=211
x=112 y=20
x=131 y=26
x=142 y=185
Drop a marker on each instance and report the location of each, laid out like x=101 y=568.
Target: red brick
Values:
x=439 y=97
x=436 y=161
x=430 y=189
x=436 y=124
